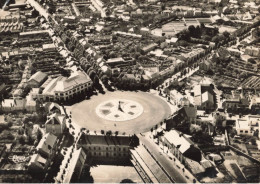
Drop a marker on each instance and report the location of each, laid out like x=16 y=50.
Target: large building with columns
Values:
x=65 y=88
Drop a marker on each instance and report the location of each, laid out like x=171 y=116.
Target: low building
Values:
x=252 y=51
x=205 y=65
x=11 y=105
x=55 y=124
x=239 y=105
x=132 y=77
x=149 y=47
x=255 y=105
x=37 y=79
x=49 y=47
x=47 y=145
x=115 y=61
x=31 y=104
x=2 y=89
x=37 y=164
x=243 y=127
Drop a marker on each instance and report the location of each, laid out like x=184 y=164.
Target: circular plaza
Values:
x=125 y=112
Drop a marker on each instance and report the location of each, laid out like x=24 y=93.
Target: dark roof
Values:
x=191 y=112
x=244 y=101
x=104 y=140
x=39 y=77
x=2 y=87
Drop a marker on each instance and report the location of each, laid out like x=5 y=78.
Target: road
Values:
x=163 y=160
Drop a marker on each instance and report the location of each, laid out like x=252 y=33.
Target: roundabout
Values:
x=119 y=110
x=125 y=112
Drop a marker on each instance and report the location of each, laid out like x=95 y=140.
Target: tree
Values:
x=195 y=128
x=192 y=29
x=96 y=80
x=251 y=60
x=226 y=34
x=92 y=75
x=91 y=69
x=21 y=139
x=104 y=79
x=215 y=39
x=39 y=135
x=6 y=135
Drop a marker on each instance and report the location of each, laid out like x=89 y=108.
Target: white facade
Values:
x=65 y=88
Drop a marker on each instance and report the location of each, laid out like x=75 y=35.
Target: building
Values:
x=115 y=61
x=65 y=88
x=106 y=147
x=76 y=165
x=37 y=164
x=37 y=79
x=47 y=145
x=176 y=97
x=11 y=105
x=52 y=107
x=243 y=127
x=252 y=51
x=31 y=104
x=205 y=65
x=203 y=97
x=248 y=125
x=255 y=105
x=240 y=105
x=185 y=116
x=207 y=101
x=182 y=148
x=55 y=124
x=149 y=47
x=2 y=90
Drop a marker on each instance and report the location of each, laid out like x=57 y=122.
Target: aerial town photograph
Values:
x=129 y=91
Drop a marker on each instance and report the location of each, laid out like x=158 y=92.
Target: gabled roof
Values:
x=2 y=87
x=76 y=78
x=51 y=106
x=55 y=119
x=206 y=96
x=244 y=101
x=47 y=143
x=190 y=112
x=197 y=90
x=38 y=76
x=185 y=146
x=178 y=140
x=38 y=158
